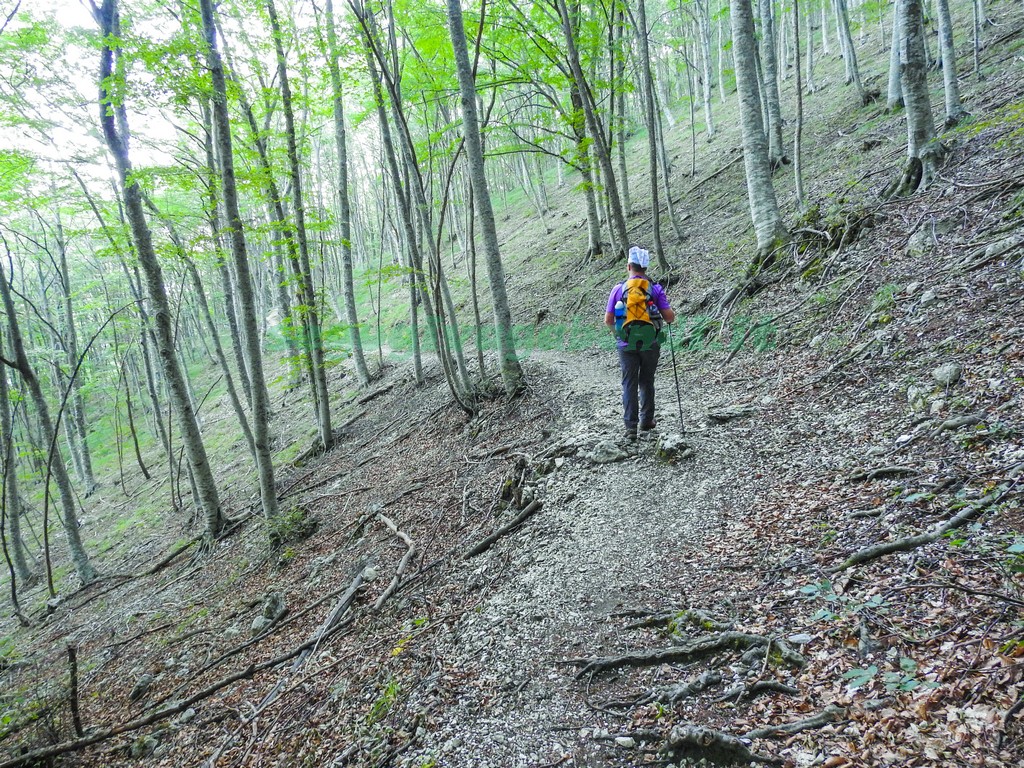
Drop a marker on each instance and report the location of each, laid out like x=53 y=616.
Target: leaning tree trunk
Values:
x=511 y=370
x=849 y=54
x=924 y=152
x=12 y=501
x=345 y=212
x=305 y=272
x=770 y=73
x=647 y=84
x=209 y=499
x=85 y=570
x=246 y=296
x=77 y=402
x=764 y=207
x=600 y=146
x=954 y=109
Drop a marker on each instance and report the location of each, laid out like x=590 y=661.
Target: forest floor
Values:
x=643 y=599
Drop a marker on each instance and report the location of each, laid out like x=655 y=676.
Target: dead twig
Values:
x=830 y=714
x=402 y=565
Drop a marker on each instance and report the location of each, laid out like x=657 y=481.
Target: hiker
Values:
x=636 y=309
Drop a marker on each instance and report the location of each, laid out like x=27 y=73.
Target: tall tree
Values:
x=770 y=73
x=511 y=370
x=647 y=84
x=246 y=294
x=345 y=209
x=764 y=207
x=24 y=569
x=114 y=123
x=954 y=108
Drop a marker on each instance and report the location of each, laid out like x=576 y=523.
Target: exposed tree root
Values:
x=749 y=692
x=874 y=474
x=689 y=651
x=678 y=620
x=694 y=742
x=830 y=714
x=672 y=694
x=913 y=542
x=531 y=509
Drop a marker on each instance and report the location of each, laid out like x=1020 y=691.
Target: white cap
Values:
x=639 y=256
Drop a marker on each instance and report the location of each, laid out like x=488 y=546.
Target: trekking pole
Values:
x=675 y=372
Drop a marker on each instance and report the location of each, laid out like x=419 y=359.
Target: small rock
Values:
x=948 y=374
x=141 y=687
x=917 y=398
x=913 y=288
x=559 y=462
x=259 y=625
x=606 y=452
x=928 y=298
x=801 y=639
x=626 y=742
x=730 y=412
x=672 y=448
x=936 y=407
x=920 y=244
x=144 y=746
x=369 y=573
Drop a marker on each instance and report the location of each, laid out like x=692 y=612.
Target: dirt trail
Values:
x=611 y=538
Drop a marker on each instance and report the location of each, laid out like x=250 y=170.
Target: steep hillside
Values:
x=828 y=572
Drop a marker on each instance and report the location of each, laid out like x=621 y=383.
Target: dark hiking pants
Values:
x=638 y=379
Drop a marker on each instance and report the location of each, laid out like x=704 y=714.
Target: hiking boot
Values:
x=647 y=426
x=629 y=435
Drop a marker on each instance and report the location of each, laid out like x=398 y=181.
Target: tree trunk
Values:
x=704 y=33
x=849 y=54
x=924 y=152
x=798 y=131
x=247 y=300
x=12 y=502
x=764 y=208
x=647 y=85
x=954 y=109
x=76 y=401
x=770 y=72
x=600 y=147
x=305 y=272
x=894 y=96
x=85 y=570
x=345 y=216
x=117 y=143
x=511 y=371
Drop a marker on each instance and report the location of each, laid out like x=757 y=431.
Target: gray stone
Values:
x=730 y=412
x=928 y=298
x=259 y=625
x=606 y=452
x=948 y=374
x=144 y=746
x=921 y=243
x=626 y=742
x=672 y=448
x=913 y=288
x=917 y=398
x=1003 y=246
x=141 y=688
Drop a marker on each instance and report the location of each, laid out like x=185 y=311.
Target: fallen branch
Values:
x=695 y=743
x=830 y=714
x=938 y=531
x=402 y=565
x=531 y=509
x=173 y=554
x=689 y=651
x=375 y=394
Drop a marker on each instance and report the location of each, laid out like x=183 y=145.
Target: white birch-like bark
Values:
x=954 y=108
x=511 y=370
x=770 y=72
x=764 y=207
x=894 y=95
x=246 y=294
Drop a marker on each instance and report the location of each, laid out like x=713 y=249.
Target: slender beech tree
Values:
x=894 y=91
x=511 y=370
x=770 y=72
x=24 y=567
x=599 y=146
x=114 y=123
x=344 y=207
x=849 y=52
x=764 y=207
x=650 y=116
x=924 y=151
x=246 y=293
x=69 y=518
x=304 y=273
x=954 y=108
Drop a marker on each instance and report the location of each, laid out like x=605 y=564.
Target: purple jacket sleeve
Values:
x=613 y=297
